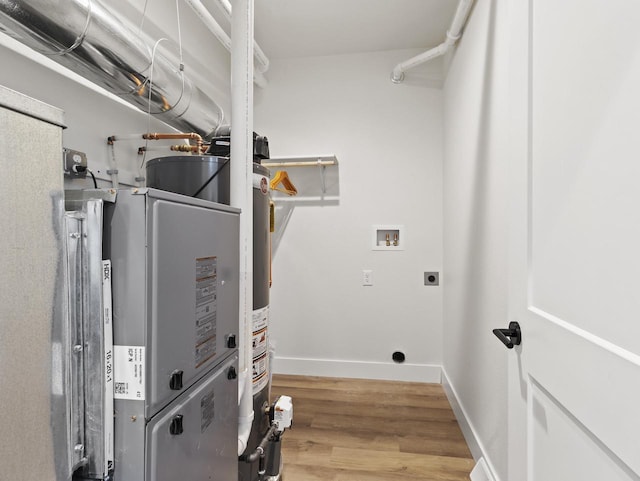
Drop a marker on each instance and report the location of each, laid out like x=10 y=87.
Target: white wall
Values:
x=388 y=140
x=475 y=232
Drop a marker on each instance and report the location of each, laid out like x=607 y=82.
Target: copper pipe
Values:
x=141 y=85
x=189 y=148
x=173 y=136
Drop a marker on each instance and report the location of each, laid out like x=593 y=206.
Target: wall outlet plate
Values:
x=75 y=163
x=431 y=278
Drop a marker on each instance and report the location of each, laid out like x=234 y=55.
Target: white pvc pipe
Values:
x=210 y=22
x=259 y=79
x=453 y=34
x=242 y=195
x=214 y=27
x=262 y=62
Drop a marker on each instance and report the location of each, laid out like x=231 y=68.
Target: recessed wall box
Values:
x=388 y=238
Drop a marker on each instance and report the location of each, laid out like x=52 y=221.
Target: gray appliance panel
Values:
x=207 y=447
x=165 y=252
x=194 y=303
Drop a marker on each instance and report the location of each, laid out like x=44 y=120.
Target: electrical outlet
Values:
x=431 y=278
x=75 y=163
x=367 y=277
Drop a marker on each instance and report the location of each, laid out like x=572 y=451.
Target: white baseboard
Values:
x=483 y=470
x=355 y=369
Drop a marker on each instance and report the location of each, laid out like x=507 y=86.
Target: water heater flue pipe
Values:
x=453 y=34
x=89 y=38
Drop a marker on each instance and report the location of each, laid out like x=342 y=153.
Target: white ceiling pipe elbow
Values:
x=214 y=27
x=453 y=34
x=397 y=75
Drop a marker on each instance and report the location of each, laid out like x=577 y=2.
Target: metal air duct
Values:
x=88 y=38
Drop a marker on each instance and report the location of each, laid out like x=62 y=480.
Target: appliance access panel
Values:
x=194 y=438
x=175 y=264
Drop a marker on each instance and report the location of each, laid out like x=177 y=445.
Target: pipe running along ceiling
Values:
x=88 y=38
x=453 y=35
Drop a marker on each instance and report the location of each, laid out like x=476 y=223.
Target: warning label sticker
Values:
x=206 y=309
x=207 y=410
x=259 y=342
x=260 y=345
x=260 y=373
x=129 y=372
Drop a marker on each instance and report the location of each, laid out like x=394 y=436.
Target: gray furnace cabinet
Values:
x=175 y=263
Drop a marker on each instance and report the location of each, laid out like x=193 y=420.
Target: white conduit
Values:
x=214 y=27
x=242 y=196
x=453 y=34
x=262 y=62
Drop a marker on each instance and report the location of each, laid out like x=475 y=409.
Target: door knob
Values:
x=510 y=337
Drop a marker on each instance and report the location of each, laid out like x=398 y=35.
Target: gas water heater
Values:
x=269 y=464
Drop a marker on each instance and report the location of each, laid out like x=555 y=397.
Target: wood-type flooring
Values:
x=366 y=430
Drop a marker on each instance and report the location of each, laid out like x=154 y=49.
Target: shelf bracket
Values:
x=322 y=175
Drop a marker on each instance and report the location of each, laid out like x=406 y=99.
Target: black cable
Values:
x=95 y=183
x=210 y=179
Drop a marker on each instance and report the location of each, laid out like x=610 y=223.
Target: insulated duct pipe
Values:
x=215 y=28
x=86 y=37
x=242 y=195
x=453 y=34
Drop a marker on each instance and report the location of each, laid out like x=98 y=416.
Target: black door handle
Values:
x=510 y=337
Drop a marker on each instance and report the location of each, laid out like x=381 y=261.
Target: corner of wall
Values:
x=484 y=470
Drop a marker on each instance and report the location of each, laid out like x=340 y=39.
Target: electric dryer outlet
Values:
x=431 y=278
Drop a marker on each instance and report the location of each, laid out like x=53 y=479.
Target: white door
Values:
x=574 y=408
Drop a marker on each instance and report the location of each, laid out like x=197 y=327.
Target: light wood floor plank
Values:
x=357 y=430
x=439 y=467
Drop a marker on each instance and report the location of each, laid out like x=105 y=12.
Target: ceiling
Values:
x=304 y=28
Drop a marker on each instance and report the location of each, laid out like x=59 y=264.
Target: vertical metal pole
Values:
x=242 y=187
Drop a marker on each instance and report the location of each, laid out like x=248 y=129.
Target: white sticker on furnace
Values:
x=206 y=309
x=128 y=372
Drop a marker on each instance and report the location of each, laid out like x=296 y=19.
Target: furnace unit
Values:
x=175 y=318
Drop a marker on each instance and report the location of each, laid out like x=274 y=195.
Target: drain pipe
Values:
x=242 y=195
x=262 y=62
x=453 y=34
